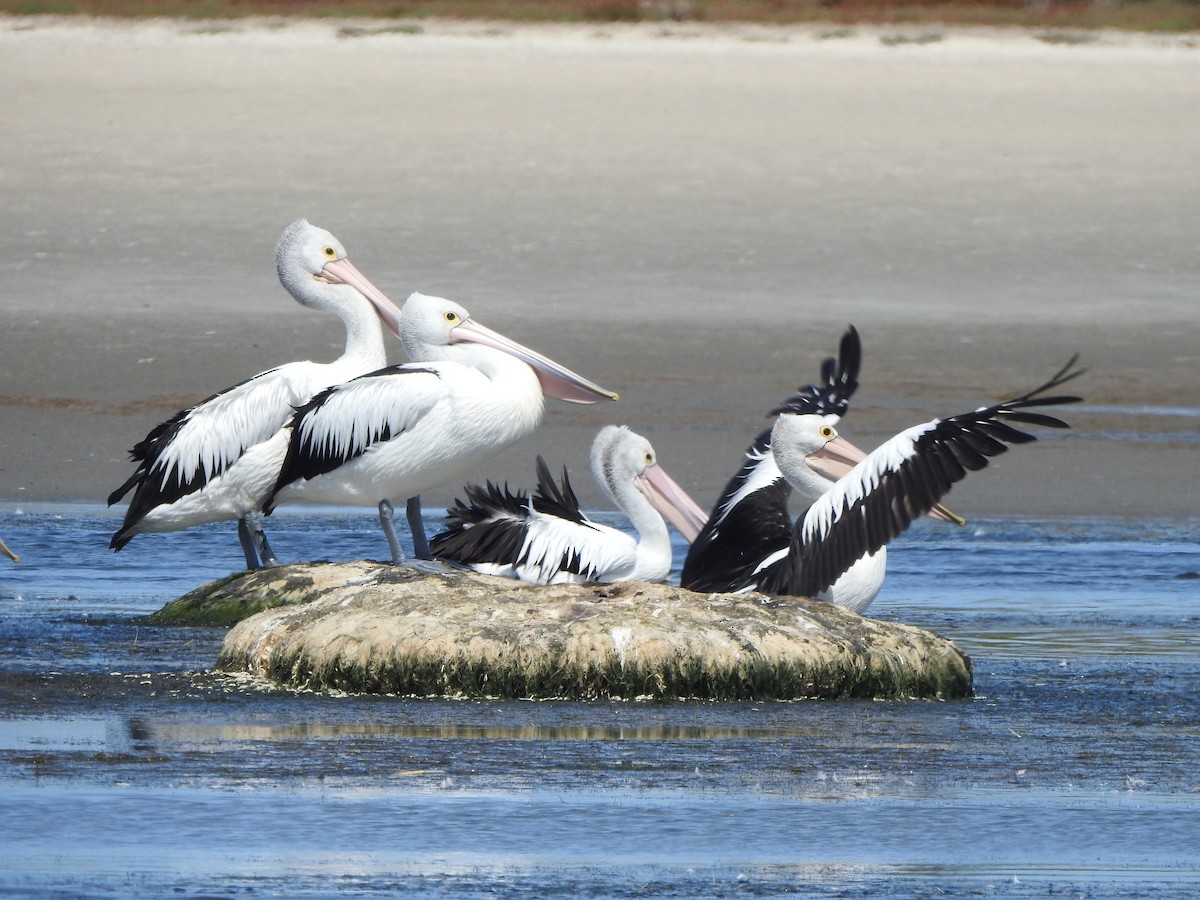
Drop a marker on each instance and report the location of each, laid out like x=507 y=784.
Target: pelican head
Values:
x=306 y=250
x=622 y=458
x=810 y=453
x=812 y=456
x=433 y=323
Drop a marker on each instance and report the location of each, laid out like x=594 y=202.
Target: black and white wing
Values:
x=487 y=529
x=347 y=420
x=183 y=454
x=751 y=525
x=543 y=539
x=904 y=478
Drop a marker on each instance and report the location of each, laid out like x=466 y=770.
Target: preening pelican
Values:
x=197 y=466
x=4 y=549
x=878 y=499
x=751 y=526
x=468 y=394
x=549 y=540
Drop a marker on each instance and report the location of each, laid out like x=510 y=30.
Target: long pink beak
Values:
x=4 y=549
x=671 y=501
x=835 y=459
x=342 y=271
x=556 y=380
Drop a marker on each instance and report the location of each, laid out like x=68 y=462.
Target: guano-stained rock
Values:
x=374 y=627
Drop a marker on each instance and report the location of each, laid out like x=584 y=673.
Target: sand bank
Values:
x=688 y=215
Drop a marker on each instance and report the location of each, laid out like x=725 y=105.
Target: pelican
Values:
x=878 y=499
x=469 y=393
x=752 y=520
x=4 y=549
x=197 y=466
x=751 y=525
x=549 y=540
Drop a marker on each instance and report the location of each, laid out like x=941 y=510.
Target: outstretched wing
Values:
x=905 y=477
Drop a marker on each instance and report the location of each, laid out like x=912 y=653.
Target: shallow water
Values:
x=130 y=768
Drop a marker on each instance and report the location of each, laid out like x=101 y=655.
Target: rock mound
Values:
x=374 y=627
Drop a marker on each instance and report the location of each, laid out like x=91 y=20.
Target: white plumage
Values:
x=202 y=465
x=547 y=538
x=903 y=479
x=469 y=393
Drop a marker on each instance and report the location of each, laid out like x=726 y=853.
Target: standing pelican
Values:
x=468 y=394
x=196 y=466
x=549 y=540
x=751 y=525
x=878 y=499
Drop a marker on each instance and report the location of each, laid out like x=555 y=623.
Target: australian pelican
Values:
x=836 y=542
x=197 y=467
x=751 y=526
x=547 y=539
x=468 y=393
x=752 y=520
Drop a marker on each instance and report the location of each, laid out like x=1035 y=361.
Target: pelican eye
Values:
x=330 y=252
x=648 y=458
x=827 y=432
x=452 y=317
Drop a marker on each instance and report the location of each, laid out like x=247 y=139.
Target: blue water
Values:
x=128 y=767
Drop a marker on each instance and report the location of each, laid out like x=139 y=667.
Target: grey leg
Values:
x=247 y=542
x=417 y=528
x=254 y=521
x=429 y=566
x=386 y=512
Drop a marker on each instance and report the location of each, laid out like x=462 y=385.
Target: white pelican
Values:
x=549 y=540
x=195 y=467
x=751 y=525
x=4 y=549
x=841 y=533
x=468 y=394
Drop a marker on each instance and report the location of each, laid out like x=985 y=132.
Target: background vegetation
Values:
x=1140 y=15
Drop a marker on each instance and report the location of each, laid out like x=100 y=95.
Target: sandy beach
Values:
x=688 y=215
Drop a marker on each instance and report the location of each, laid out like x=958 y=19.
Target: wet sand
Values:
x=688 y=215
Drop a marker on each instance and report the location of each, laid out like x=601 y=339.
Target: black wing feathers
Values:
x=311 y=455
x=839 y=381
x=491 y=526
x=942 y=456
x=556 y=501
x=488 y=528
x=727 y=551
x=146 y=454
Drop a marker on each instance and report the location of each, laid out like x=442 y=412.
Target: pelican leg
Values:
x=247 y=542
x=264 y=549
x=417 y=528
x=431 y=566
x=265 y=553
x=386 y=512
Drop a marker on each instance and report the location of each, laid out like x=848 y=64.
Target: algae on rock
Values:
x=374 y=627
